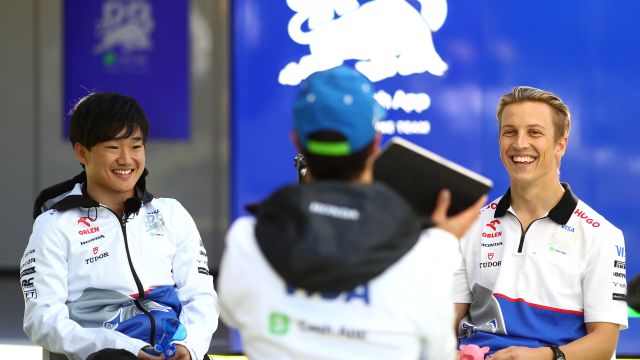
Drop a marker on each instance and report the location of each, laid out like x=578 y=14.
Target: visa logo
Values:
x=620 y=250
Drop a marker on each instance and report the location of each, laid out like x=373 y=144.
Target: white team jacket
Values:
x=78 y=284
x=404 y=313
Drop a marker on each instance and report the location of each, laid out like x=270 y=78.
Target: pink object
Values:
x=473 y=352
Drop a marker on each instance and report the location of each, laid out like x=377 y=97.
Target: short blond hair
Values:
x=520 y=94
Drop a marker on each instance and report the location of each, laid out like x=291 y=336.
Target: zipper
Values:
x=523 y=232
x=137 y=302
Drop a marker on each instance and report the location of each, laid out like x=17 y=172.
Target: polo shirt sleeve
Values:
x=604 y=283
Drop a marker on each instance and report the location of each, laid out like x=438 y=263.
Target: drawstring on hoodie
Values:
x=92 y=219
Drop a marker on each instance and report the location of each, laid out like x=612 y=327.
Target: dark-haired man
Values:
x=341 y=267
x=110 y=272
x=544 y=273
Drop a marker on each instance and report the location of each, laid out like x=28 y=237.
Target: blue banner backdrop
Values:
x=136 y=47
x=440 y=71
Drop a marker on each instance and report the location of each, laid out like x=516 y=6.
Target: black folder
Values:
x=419 y=175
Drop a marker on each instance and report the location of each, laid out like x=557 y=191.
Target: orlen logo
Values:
x=581 y=214
x=89 y=231
x=492 y=225
x=86 y=220
x=385 y=38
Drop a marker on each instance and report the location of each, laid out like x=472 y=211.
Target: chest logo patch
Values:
x=562 y=241
x=154 y=224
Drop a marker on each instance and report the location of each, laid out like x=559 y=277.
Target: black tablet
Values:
x=419 y=175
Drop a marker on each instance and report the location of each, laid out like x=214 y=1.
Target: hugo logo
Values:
x=581 y=214
x=493 y=206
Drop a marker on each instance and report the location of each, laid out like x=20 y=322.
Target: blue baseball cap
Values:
x=339 y=100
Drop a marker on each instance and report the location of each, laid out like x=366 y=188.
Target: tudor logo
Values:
x=489 y=264
x=93 y=259
x=492 y=224
x=490 y=256
x=95 y=250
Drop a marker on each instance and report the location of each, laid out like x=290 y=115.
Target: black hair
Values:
x=344 y=168
x=100 y=117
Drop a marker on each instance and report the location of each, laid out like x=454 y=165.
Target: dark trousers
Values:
x=112 y=354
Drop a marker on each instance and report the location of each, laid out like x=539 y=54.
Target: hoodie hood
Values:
x=58 y=196
x=334 y=236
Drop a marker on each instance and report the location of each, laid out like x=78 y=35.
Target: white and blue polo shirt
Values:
x=539 y=286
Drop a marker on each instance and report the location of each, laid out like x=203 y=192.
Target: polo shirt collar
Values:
x=559 y=213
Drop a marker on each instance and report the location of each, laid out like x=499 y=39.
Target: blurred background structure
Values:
x=217 y=78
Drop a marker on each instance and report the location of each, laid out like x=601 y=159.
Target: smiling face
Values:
x=529 y=149
x=113 y=168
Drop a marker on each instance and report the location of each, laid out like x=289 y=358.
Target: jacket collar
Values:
x=77 y=197
x=559 y=213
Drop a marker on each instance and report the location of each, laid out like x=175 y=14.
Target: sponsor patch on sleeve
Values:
x=27 y=271
x=621 y=297
x=27 y=283
x=30 y=295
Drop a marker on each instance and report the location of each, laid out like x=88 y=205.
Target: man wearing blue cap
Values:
x=341 y=267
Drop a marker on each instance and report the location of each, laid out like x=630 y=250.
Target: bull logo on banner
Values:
x=385 y=37
x=127 y=25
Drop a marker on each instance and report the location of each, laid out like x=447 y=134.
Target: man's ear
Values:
x=81 y=153
x=376 y=143
x=562 y=146
x=295 y=141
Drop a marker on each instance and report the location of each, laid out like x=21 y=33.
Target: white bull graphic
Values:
x=128 y=25
x=386 y=37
